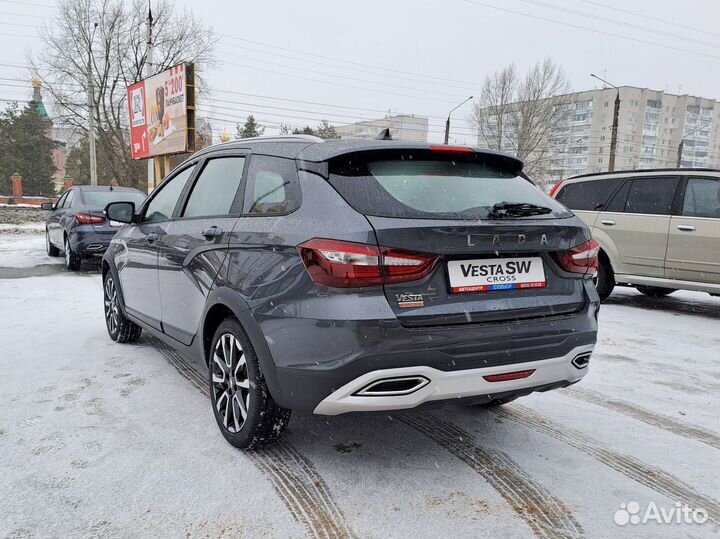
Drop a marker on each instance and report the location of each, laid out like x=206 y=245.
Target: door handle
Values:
x=212 y=232
x=151 y=237
x=686 y=228
x=608 y=222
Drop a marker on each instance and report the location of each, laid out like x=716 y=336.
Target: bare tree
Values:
x=111 y=36
x=523 y=114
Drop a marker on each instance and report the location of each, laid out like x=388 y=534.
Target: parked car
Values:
x=343 y=276
x=658 y=230
x=77 y=226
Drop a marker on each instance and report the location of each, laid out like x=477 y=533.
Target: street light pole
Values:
x=148 y=73
x=614 y=132
x=447 y=122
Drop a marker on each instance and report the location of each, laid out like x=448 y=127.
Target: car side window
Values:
x=69 y=200
x=652 y=196
x=272 y=186
x=702 y=198
x=62 y=200
x=163 y=203
x=617 y=203
x=590 y=195
x=216 y=188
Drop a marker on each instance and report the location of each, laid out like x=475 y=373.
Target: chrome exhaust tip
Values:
x=581 y=361
x=389 y=387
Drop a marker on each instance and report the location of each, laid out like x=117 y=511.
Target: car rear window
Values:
x=590 y=195
x=424 y=186
x=100 y=199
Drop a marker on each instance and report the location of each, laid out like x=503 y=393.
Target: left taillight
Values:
x=89 y=219
x=344 y=264
x=581 y=259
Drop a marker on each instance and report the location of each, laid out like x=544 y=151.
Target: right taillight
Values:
x=581 y=259
x=344 y=264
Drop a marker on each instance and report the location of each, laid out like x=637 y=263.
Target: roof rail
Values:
x=640 y=170
x=270 y=138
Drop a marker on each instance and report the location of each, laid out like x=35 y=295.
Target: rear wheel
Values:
x=72 y=259
x=605 y=279
x=51 y=249
x=119 y=327
x=655 y=291
x=243 y=407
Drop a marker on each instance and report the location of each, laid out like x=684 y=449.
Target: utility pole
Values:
x=614 y=132
x=148 y=73
x=679 y=153
x=91 y=103
x=447 y=122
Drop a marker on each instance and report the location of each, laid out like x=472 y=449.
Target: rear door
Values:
x=487 y=269
x=138 y=262
x=588 y=197
x=635 y=228
x=192 y=247
x=694 y=247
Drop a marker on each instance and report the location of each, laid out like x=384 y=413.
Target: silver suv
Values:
x=659 y=230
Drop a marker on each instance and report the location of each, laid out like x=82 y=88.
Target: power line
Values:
x=353 y=69
x=32 y=4
x=381 y=68
x=589 y=29
x=326 y=74
x=650 y=17
x=618 y=22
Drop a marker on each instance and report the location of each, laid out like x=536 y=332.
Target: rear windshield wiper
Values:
x=516 y=209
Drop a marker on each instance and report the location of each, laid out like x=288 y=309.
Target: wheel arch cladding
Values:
x=223 y=302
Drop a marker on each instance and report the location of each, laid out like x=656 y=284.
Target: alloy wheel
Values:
x=111 y=306
x=230 y=382
x=67 y=253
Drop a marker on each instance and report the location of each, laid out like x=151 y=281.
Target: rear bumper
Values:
x=90 y=242
x=441 y=385
x=313 y=360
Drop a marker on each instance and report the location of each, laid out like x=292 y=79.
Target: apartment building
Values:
x=651 y=125
x=402 y=127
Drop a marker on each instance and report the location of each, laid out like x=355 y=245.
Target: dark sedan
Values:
x=77 y=226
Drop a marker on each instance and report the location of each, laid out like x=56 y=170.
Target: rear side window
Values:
x=430 y=187
x=591 y=195
x=702 y=198
x=216 y=188
x=272 y=186
x=653 y=196
x=100 y=199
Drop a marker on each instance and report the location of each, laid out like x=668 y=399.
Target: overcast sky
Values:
x=416 y=56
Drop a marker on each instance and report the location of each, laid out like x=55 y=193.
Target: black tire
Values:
x=655 y=291
x=72 y=259
x=236 y=381
x=51 y=249
x=118 y=326
x=605 y=279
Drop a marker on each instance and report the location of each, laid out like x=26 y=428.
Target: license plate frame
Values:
x=483 y=274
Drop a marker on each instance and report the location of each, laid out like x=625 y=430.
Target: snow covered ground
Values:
x=99 y=439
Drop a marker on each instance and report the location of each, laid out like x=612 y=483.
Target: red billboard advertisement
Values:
x=162 y=113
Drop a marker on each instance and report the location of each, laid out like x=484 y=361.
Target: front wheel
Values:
x=245 y=411
x=655 y=291
x=72 y=259
x=119 y=327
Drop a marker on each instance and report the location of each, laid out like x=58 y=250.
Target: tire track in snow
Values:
x=294 y=478
x=656 y=420
x=649 y=476
x=547 y=516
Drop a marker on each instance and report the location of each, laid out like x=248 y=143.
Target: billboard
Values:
x=162 y=113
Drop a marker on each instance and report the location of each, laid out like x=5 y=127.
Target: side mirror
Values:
x=47 y=206
x=123 y=212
